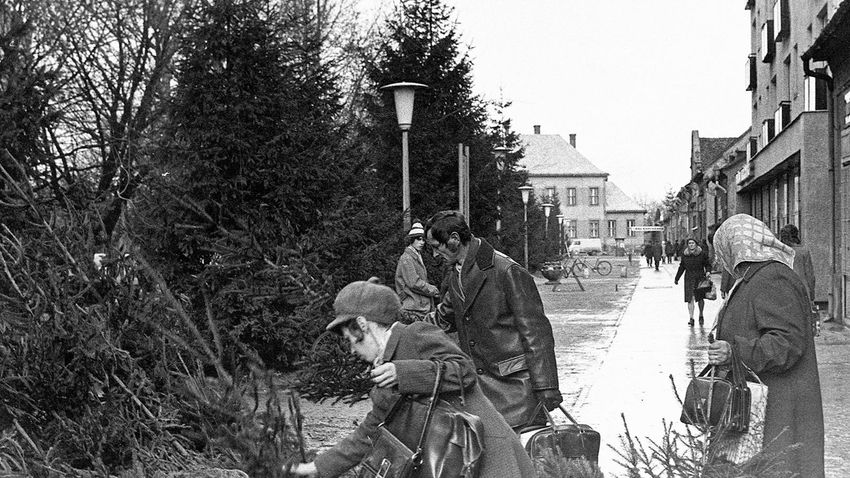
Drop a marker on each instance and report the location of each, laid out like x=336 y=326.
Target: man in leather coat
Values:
x=495 y=307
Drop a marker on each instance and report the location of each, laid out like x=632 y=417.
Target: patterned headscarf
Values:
x=743 y=238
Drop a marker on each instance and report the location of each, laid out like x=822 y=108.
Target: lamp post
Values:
x=560 y=233
x=547 y=208
x=403 y=94
x=526 y=194
x=500 y=153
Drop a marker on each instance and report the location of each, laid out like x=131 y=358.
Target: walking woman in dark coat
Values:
x=765 y=320
x=695 y=266
x=402 y=358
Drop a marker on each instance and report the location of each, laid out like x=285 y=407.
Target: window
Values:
x=571 y=196
x=751 y=72
x=594 y=201
x=594 y=228
x=815 y=91
x=781 y=20
x=795 y=217
x=847 y=108
x=550 y=193
x=630 y=223
x=767 y=131
x=571 y=228
x=612 y=228
x=768 y=47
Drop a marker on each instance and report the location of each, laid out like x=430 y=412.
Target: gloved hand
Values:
x=549 y=397
x=676 y=282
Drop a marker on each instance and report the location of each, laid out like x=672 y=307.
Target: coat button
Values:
x=479 y=371
x=472 y=343
x=466 y=318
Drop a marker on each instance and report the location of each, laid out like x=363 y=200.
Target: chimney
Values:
x=537 y=129
x=573 y=140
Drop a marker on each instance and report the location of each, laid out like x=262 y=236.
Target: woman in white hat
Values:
x=411 y=278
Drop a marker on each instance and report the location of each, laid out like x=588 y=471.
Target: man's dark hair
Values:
x=444 y=223
x=789 y=235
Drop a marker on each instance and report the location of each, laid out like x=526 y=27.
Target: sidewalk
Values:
x=654 y=341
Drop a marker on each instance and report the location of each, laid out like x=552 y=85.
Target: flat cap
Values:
x=375 y=302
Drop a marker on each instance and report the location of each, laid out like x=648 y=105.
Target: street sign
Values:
x=648 y=228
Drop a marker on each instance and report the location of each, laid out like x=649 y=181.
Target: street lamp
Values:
x=500 y=152
x=547 y=208
x=403 y=94
x=560 y=233
x=526 y=194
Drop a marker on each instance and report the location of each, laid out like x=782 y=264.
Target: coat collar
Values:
x=392 y=342
x=481 y=253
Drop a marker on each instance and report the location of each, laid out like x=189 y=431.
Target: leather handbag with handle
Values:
x=425 y=439
x=570 y=441
x=717 y=399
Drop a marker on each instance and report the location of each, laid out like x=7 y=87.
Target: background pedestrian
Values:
x=411 y=278
x=694 y=264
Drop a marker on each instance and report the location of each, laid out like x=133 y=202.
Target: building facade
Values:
x=593 y=206
x=785 y=180
x=833 y=47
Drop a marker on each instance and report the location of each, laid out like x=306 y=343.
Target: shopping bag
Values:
x=571 y=441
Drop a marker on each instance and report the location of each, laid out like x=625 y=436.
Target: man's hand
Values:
x=549 y=397
x=385 y=375
x=676 y=282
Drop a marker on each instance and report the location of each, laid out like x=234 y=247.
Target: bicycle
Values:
x=601 y=267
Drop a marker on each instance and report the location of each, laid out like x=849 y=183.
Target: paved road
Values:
x=627 y=368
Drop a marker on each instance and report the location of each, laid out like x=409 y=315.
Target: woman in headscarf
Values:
x=695 y=266
x=765 y=320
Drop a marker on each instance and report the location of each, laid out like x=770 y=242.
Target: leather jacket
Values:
x=495 y=307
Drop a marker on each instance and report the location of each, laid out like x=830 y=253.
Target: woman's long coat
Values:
x=766 y=321
x=695 y=267
x=412 y=348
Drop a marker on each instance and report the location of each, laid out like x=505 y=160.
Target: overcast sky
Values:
x=631 y=78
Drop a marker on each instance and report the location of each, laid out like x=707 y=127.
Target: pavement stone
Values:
x=653 y=342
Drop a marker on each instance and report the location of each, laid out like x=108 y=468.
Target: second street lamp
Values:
x=526 y=194
x=403 y=94
x=560 y=233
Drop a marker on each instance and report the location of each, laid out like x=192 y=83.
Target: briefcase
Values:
x=571 y=441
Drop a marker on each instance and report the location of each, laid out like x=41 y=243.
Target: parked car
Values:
x=589 y=246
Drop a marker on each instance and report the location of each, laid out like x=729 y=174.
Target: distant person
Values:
x=494 y=306
x=657 y=253
x=647 y=253
x=669 y=250
x=695 y=266
x=764 y=323
x=411 y=278
x=790 y=236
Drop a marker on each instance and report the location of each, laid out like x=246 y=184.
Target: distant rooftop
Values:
x=551 y=155
x=617 y=201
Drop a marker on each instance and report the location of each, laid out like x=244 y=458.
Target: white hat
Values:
x=416 y=230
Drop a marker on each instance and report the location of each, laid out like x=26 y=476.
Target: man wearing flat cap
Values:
x=411 y=278
x=495 y=307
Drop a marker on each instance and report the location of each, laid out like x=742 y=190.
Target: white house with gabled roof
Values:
x=592 y=205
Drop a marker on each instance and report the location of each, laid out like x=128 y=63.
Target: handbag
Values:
x=570 y=441
x=739 y=447
x=718 y=401
x=703 y=284
x=711 y=294
x=425 y=440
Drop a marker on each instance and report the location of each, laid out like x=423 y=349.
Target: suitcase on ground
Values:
x=571 y=441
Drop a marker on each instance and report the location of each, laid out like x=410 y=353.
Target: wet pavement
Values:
x=626 y=366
